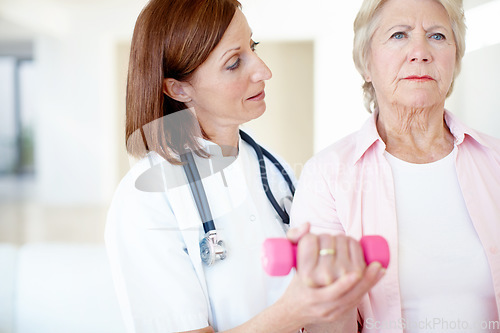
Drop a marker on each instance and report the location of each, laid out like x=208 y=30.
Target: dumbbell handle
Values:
x=279 y=254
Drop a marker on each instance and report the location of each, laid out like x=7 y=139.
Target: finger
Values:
x=326 y=272
x=343 y=260
x=307 y=257
x=331 y=301
x=372 y=275
x=357 y=256
x=375 y=271
x=342 y=286
x=348 y=291
x=327 y=247
x=296 y=233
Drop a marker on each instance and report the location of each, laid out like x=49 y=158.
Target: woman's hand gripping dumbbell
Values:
x=279 y=254
x=331 y=279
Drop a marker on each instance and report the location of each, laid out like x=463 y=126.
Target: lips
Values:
x=419 y=78
x=258 y=97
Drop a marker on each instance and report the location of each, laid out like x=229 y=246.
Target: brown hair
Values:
x=171 y=39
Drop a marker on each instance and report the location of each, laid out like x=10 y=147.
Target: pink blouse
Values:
x=348 y=188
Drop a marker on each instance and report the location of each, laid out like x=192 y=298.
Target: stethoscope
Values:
x=212 y=248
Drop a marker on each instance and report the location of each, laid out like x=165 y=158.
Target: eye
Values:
x=398 y=35
x=235 y=65
x=438 y=36
x=253 y=45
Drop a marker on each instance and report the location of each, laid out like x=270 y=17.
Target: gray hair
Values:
x=367 y=21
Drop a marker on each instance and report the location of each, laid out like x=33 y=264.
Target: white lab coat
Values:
x=152 y=237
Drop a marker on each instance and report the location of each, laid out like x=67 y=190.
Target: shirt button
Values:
x=252 y=217
x=493 y=250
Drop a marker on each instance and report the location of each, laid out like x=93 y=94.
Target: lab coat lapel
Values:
x=191 y=239
x=189 y=223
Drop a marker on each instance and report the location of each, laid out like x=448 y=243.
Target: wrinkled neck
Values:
x=416 y=135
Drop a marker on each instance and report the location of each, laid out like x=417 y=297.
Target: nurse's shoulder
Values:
x=140 y=199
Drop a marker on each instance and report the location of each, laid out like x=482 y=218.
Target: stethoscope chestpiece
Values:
x=212 y=249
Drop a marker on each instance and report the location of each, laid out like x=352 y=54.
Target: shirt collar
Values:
x=214 y=149
x=368 y=138
x=460 y=130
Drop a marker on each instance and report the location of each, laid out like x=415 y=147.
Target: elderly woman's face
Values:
x=412 y=54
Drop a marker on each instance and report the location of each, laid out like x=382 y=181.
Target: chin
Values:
x=257 y=112
x=421 y=99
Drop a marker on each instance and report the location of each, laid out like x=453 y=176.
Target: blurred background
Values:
x=62 y=99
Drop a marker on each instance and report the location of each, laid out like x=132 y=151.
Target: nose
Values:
x=420 y=50
x=260 y=72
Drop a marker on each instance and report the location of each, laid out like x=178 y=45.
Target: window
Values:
x=16 y=110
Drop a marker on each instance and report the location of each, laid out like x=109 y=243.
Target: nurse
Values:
x=193 y=79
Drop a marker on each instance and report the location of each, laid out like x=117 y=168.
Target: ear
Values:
x=366 y=75
x=175 y=90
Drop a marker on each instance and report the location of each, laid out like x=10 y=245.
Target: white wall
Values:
x=476 y=97
x=287 y=125
x=338 y=106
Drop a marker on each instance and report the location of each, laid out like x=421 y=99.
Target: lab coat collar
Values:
x=212 y=147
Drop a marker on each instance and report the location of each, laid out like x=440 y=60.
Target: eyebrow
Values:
x=235 y=48
x=437 y=26
x=402 y=26
x=407 y=27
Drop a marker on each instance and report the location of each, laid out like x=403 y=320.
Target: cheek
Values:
x=384 y=65
x=451 y=64
x=448 y=68
x=235 y=91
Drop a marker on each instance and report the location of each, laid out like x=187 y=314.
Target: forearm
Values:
x=346 y=324
x=274 y=319
x=277 y=319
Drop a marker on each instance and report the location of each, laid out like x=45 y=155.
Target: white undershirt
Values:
x=445 y=278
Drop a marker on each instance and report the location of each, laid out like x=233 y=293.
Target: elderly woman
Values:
x=414 y=174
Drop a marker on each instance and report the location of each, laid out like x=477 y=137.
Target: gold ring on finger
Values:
x=326 y=252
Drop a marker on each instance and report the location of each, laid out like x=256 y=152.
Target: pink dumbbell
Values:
x=279 y=255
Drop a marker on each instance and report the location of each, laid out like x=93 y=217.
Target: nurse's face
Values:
x=228 y=88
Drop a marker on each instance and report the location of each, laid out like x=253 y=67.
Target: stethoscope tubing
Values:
x=198 y=191
x=280 y=168
x=200 y=196
x=263 y=175
x=211 y=248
